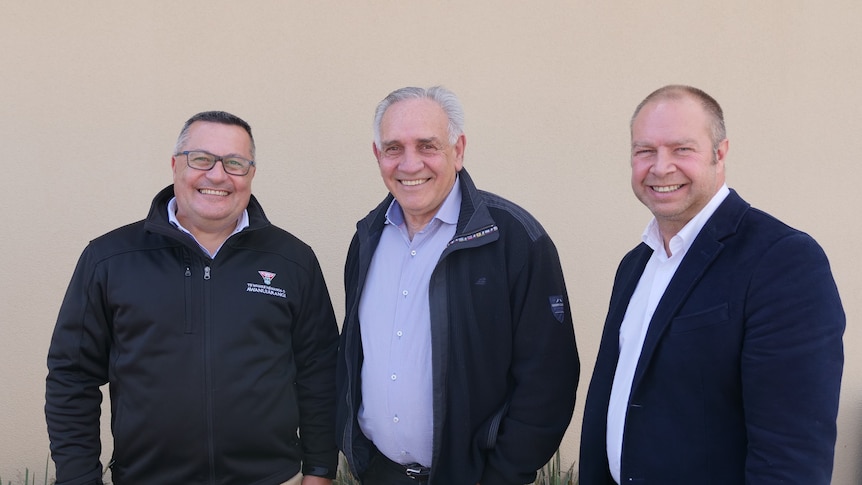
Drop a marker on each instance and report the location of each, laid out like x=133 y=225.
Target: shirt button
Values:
x=399 y=333
x=404 y=292
x=393 y=377
x=413 y=253
x=395 y=419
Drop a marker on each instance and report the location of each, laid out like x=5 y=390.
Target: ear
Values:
x=375 y=150
x=721 y=152
x=723 y=148
x=460 y=147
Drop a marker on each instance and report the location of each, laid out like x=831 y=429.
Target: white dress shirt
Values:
x=651 y=287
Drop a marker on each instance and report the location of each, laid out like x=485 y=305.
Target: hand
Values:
x=312 y=480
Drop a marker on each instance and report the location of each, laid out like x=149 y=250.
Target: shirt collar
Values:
x=448 y=212
x=683 y=240
x=241 y=222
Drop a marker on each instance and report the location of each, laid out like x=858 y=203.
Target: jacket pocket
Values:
x=492 y=429
x=704 y=318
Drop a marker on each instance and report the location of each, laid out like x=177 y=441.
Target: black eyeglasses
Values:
x=201 y=160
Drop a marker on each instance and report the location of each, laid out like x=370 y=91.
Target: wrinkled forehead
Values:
x=412 y=120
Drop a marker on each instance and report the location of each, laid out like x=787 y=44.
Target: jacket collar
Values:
x=473 y=219
x=157 y=218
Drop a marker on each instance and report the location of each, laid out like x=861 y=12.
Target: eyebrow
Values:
x=229 y=155
x=432 y=139
x=684 y=141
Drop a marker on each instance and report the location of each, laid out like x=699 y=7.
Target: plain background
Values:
x=94 y=94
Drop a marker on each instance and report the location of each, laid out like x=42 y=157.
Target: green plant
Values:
x=553 y=474
x=27 y=478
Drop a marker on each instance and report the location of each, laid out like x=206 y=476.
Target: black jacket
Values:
x=505 y=364
x=213 y=364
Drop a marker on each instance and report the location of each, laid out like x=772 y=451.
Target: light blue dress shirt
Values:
x=395 y=325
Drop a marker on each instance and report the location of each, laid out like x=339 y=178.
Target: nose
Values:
x=412 y=161
x=664 y=163
x=217 y=172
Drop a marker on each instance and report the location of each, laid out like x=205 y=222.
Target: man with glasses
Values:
x=213 y=327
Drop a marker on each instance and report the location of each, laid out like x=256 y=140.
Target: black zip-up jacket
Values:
x=216 y=366
x=505 y=363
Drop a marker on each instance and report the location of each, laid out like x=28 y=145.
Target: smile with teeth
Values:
x=213 y=192
x=666 y=188
x=414 y=182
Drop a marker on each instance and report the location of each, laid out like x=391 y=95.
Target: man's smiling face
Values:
x=211 y=201
x=417 y=162
x=675 y=169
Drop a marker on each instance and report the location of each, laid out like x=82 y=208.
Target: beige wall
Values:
x=94 y=93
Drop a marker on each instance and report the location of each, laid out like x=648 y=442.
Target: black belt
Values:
x=414 y=471
x=417 y=472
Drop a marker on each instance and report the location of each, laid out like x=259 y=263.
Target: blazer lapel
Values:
x=706 y=247
x=625 y=282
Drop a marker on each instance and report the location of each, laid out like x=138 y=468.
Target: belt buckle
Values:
x=417 y=472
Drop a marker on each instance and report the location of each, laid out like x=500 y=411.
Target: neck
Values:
x=211 y=241
x=414 y=227
x=667 y=233
x=210 y=237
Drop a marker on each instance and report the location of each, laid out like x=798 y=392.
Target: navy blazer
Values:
x=740 y=372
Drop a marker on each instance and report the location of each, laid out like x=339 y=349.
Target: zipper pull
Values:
x=206 y=272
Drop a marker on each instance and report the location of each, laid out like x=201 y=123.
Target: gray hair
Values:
x=440 y=95
x=222 y=117
x=709 y=104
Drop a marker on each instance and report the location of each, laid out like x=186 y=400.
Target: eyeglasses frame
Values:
x=217 y=159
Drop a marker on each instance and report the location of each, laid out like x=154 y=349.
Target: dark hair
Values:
x=709 y=104
x=222 y=117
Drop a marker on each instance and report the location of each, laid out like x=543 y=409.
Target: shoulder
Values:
x=124 y=241
x=131 y=237
x=749 y=230
x=510 y=216
x=276 y=242
x=761 y=229
x=736 y=217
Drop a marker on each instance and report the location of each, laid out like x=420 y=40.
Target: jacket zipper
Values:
x=207 y=334
x=187 y=285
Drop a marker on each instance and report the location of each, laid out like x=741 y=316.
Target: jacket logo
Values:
x=267 y=277
x=265 y=288
x=557 y=307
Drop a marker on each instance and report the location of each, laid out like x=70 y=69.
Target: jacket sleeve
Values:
x=315 y=344
x=545 y=369
x=77 y=367
x=792 y=361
